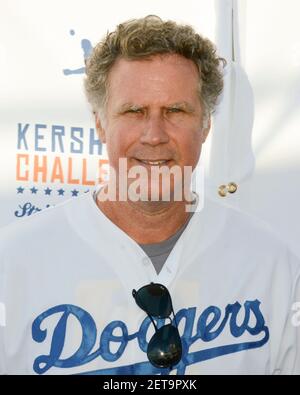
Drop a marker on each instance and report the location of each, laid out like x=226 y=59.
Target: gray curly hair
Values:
x=144 y=38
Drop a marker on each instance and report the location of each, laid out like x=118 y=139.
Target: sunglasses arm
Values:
x=174 y=316
x=153 y=322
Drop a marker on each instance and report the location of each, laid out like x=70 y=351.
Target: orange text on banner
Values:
x=38 y=168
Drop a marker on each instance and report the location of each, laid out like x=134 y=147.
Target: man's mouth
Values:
x=154 y=162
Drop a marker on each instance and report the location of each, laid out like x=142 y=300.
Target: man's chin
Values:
x=151 y=206
x=154 y=195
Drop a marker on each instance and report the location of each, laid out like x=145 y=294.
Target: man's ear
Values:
x=206 y=128
x=100 y=130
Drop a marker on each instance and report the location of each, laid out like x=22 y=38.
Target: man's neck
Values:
x=146 y=222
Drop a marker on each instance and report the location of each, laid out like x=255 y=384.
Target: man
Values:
x=76 y=279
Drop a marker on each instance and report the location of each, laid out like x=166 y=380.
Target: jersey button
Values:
x=145 y=261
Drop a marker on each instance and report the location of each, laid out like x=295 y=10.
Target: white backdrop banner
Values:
x=49 y=150
x=49 y=147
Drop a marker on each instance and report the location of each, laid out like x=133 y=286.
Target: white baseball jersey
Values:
x=66 y=281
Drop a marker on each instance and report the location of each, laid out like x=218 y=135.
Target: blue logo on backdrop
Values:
x=87 y=49
x=210 y=326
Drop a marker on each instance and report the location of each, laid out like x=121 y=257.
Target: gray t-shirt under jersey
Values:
x=159 y=252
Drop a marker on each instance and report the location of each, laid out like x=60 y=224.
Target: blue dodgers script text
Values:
x=209 y=326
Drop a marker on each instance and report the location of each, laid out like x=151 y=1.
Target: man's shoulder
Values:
x=242 y=222
x=243 y=229
x=45 y=223
x=252 y=227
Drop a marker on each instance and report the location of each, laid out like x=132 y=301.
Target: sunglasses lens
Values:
x=164 y=349
x=155 y=300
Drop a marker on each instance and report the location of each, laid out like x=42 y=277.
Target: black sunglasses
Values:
x=164 y=348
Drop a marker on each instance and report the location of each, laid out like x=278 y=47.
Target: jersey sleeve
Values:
x=2 y=366
x=2 y=308
x=2 y=322
x=288 y=361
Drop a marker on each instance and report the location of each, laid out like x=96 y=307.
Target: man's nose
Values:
x=154 y=131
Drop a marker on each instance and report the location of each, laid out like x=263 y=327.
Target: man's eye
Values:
x=174 y=110
x=134 y=111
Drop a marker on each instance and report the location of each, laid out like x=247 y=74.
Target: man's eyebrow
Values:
x=130 y=106
x=182 y=105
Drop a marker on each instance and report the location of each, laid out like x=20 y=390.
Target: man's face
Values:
x=153 y=114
